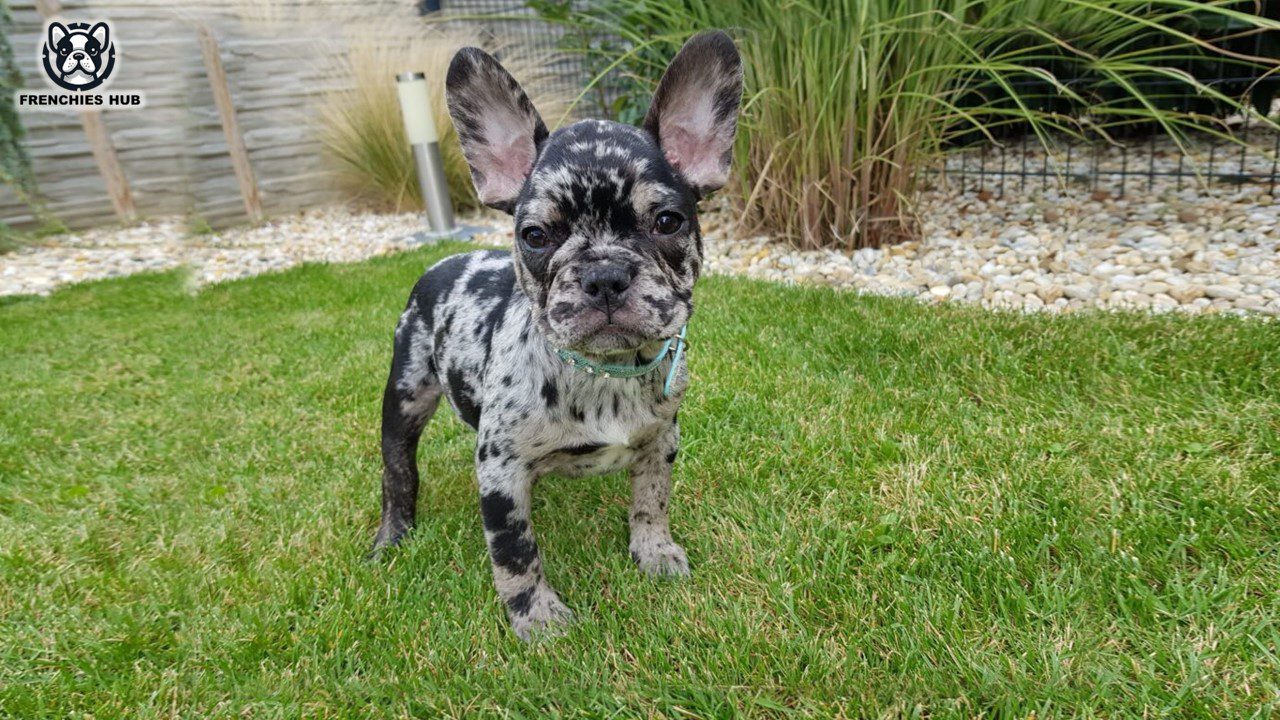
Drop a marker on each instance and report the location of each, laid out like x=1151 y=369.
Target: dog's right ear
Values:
x=498 y=128
x=57 y=31
x=694 y=114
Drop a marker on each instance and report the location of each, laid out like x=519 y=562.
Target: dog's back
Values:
x=446 y=332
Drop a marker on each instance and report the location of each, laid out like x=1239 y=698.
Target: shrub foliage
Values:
x=15 y=165
x=849 y=99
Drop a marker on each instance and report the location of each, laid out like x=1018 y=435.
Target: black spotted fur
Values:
x=480 y=329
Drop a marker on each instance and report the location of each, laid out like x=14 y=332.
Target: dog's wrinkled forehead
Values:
x=600 y=174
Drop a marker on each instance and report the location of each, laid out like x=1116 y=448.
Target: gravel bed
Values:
x=325 y=235
x=1110 y=242
x=1191 y=251
x=92 y=255
x=1053 y=250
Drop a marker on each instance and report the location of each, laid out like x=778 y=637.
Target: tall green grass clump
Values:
x=848 y=100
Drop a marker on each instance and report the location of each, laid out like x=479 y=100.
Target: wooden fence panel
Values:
x=173 y=152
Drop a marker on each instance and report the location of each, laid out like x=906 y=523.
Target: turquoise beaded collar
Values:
x=607 y=370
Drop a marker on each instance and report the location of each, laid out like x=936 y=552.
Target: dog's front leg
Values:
x=505 y=485
x=651 y=545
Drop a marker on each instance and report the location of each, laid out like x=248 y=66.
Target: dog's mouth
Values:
x=79 y=75
x=612 y=338
x=603 y=336
x=593 y=334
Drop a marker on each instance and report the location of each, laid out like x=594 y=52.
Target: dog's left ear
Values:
x=498 y=128
x=694 y=114
x=100 y=33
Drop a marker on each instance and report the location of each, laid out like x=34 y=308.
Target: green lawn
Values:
x=890 y=509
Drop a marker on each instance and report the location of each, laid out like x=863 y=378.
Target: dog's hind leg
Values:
x=410 y=399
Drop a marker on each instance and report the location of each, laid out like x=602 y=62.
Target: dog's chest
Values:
x=595 y=429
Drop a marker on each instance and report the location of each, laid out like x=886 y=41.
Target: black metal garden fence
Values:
x=1135 y=164
x=515 y=21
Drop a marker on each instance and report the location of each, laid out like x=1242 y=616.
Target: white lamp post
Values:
x=420 y=127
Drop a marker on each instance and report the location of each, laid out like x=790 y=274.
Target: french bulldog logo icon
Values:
x=77 y=55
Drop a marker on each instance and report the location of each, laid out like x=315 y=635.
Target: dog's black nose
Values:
x=605 y=285
x=77 y=56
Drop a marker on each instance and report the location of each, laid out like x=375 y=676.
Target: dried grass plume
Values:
x=359 y=121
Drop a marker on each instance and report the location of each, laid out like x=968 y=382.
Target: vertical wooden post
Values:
x=104 y=152
x=230 y=128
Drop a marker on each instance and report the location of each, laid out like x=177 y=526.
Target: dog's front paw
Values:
x=538 y=612
x=660 y=557
x=389 y=535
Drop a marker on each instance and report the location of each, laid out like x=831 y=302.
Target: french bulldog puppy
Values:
x=564 y=353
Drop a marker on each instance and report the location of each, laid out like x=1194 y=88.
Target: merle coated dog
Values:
x=563 y=353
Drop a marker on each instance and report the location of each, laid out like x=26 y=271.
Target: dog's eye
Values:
x=534 y=237
x=93 y=51
x=668 y=223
